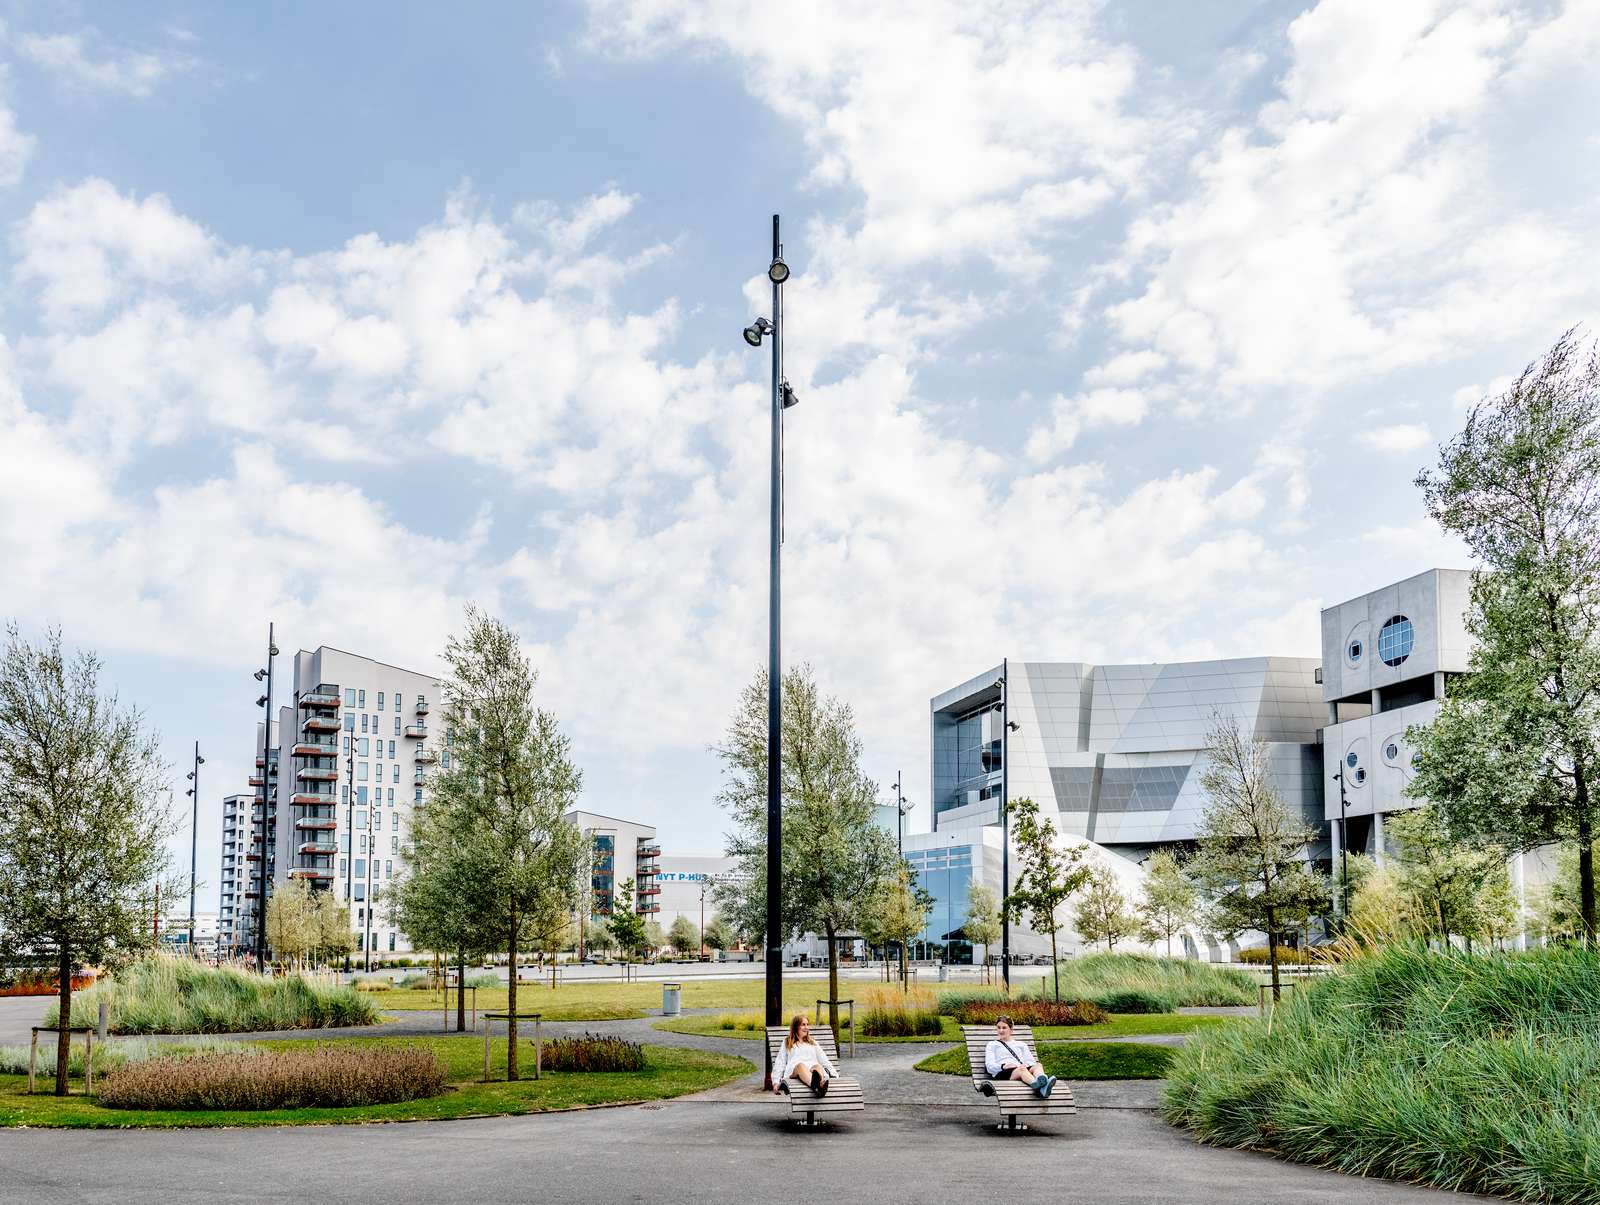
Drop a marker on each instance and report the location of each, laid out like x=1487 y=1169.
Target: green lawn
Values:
x=615 y=1001
x=672 y=1071
x=1075 y=1060
x=1121 y=1025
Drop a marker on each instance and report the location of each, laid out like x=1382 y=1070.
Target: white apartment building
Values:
x=620 y=850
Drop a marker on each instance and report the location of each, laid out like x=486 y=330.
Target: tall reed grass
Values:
x=1476 y=1073
x=1144 y=983
x=888 y=1012
x=164 y=994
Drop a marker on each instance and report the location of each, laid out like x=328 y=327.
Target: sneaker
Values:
x=1040 y=1088
x=1049 y=1086
x=823 y=1089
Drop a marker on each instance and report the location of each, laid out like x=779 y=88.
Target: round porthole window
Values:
x=1392 y=751
x=1350 y=759
x=1395 y=640
x=1354 y=651
x=1361 y=776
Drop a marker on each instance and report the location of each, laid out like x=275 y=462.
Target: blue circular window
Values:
x=1395 y=640
x=1350 y=760
x=1354 y=651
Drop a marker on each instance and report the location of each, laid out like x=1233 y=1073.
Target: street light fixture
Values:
x=1006 y=728
x=194 y=831
x=777 y=273
x=266 y=798
x=1344 y=851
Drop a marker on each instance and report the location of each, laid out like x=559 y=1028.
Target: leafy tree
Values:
x=626 y=925
x=1251 y=860
x=717 y=934
x=684 y=936
x=983 y=918
x=1381 y=911
x=509 y=784
x=1445 y=881
x=292 y=922
x=332 y=937
x=1513 y=756
x=1553 y=906
x=895 y=912
x=83 y=822
x=834 y=856
x=654 y=937
x=1103 y=913
x=597 y=938
x=1047 y=877
x=1168 y=901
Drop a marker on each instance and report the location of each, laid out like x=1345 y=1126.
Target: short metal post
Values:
x=104 y=1017
x=33 y=1054
x=88 y=1060
x=852 y=1029
x=488 y=1028
x=538 y=1048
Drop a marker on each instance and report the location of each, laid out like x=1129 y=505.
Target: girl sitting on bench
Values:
x=800 y=1058
x=1008 y=1057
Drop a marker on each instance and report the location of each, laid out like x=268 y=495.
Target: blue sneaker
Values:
x=1049 y=1086
x=1041 y=1087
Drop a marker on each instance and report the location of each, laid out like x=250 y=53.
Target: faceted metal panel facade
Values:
x=1119 y=748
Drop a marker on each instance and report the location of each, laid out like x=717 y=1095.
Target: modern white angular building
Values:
x=1387 y=658
x=620 y=850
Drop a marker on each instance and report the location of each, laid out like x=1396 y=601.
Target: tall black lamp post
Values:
x=265 y=701
x=1005 y=820
x=782 y=398
x=1344 y=854
x=194 y=834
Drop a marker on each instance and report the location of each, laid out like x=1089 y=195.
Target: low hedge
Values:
x=592 y=1052
x=1031 y=1012
x=324 y=1077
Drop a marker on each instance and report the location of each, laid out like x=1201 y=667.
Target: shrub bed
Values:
x=321 y=1078
x=42 y=983
x=592 y=1052
x=1031 y=1012
x=888 y=1012
x=163 y=994
x=1475 y=1073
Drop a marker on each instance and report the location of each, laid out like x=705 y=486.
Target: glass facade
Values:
x=945 y=874
x=603 y=872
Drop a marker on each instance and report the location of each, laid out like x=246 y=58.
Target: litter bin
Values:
x=670 y=994
x=944 y=973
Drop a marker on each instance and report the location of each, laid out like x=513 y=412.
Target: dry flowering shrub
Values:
x=593 y=1053
x=1032 y=1012
x=890 y=1012
x=323 y=1077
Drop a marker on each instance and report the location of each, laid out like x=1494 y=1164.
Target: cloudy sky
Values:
x=1120 y=333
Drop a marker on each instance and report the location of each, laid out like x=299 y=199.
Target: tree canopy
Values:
x=1049 y=873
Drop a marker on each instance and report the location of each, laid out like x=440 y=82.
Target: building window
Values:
x=1395 y=640
x=1354 y=651
x=1392 y=751
x=361 y=817
x=394 y=845
x=342 y=866
x=1350 y=759
x=397 y=725
x=380 y=700
x=396 y=777
x=362 y=745
x=1361 y=777
x=361 y=771
x=391 y=750
x=361 y=697
x=361 y=888
x=349 y=721
x=394 y=818
x=344 y=792
x=361 y=868
x=444 y=759
x=363 y=721
x=344 y=848
x=349 y=696
x=391 y=943
x=418 y=797
x=361 y=796
x=388 y=868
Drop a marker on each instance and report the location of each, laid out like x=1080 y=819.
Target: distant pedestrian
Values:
x=802 y=1060
x=1008 y=1057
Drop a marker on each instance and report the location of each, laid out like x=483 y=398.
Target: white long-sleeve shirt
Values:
x=801 y=1054
x=996 y=1055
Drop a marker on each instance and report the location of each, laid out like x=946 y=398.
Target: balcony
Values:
x=417 y=732
x=425 y=756
x=252 y=857
x=316 y=847
x=315 y=749
x=422 y=707
x=650 y=850
x=311 y=799
x=647 y=909
x=256 y=780
x=307 y=872
x=316 y=774
x=321 y=696
x=648 y=891
x=320 y=723
x=322 y=823
x=260 y=761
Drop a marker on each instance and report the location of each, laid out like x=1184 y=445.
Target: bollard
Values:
x=100 y=1029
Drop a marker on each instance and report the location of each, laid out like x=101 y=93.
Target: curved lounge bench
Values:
x=1015 y=1098
x=844 y=1093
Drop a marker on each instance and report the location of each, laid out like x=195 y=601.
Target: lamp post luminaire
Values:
x=901 y=807
x=782 y=398
x=194 y=834
x=1344 y=851
x=264 y=701
x=1006 y=729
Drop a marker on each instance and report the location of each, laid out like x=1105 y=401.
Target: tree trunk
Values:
x=511 y=1003
x=1272 y=951
x=63 y=1038
x=461 y=989
x=1586 y=904
x=1055 y=964
x=905 y=979
x=833 y=983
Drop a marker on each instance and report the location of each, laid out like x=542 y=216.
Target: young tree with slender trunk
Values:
x=684 y=936
x=510 y=783
x=717 y=935
x=895 y=912
x=626 y=925
x=1048 y=876
x=834 y=856
x=1513 y=757
x=983 y=918
x=1102 y=913
x=291 y=922
x=1167 y=900
x=83 y=822
x=1451 y=887
x=1252 y=857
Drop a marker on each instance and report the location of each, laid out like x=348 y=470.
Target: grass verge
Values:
x=616 y=1001
x=669 y=1072
x=1131 y=1025
x=1075 y=1060
x=1475 y=1073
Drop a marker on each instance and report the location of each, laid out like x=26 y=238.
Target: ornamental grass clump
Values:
x=1177 y=982
x=324 y=1077
x=164 y=994
x=888 y=1012
x=1031 y=1012
x=1478 y=1073
x=592 y=1052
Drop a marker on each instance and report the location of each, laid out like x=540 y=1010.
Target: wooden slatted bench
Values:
x=1015 y=1098
x=844 y=1093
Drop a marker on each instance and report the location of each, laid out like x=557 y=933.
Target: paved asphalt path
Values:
x=923 y=1136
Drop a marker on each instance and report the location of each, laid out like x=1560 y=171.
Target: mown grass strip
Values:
x=1075 y=1060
